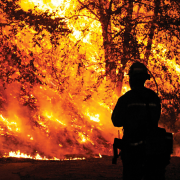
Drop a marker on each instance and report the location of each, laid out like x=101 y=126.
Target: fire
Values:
x=93 y=117
x=30 y=137
x=52 y=118
x=11 y=125
x=18 y=154
x=51 y=131
x=50 y=5
x=82 y=137
x=58 y=99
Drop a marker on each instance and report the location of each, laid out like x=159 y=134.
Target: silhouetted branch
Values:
x=39 y=21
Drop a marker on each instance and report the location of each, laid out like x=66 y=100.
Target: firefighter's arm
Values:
x=118 y=114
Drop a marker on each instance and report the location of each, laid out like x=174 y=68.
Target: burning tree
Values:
x=64 y=64
x=128 y=29
x=138 y=30
x=43 y=110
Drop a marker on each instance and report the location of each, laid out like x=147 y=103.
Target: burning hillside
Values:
x=53 y=124
x=63 y=67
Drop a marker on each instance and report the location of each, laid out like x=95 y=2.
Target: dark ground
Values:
x=92 y=168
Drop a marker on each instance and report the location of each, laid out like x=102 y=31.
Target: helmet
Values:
x=138 y=69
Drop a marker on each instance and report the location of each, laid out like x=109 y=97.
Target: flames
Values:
x=50 y=5
x=18 y=154
x=12 y=126
x=56 y=127
x=69 y=112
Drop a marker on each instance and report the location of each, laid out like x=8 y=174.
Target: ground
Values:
x=91 y=168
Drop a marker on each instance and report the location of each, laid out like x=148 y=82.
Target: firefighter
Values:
x=138 y=111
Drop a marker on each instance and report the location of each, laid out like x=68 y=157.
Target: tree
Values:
x=68 y=70
x=37 y=55
x=121 y=22
x=17 y=20
x=132 y=30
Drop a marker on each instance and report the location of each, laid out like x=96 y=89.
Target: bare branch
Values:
x=82 y=16
x=148 y=49
x=86 y=6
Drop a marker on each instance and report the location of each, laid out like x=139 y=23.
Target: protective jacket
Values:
x=138 y=111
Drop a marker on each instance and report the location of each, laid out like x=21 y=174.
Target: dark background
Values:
x=90 y=168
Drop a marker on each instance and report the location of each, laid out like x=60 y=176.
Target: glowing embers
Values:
x=93 y=117
x=84 y=138
x=30 y=137
x=48 y=120
x=11 y=125
x=51 y=117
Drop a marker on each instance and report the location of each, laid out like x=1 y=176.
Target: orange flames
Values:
x=18 y=154
x=55 y=128
x=69 y=112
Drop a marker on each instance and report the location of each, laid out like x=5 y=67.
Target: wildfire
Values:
x=93 y=117
x=52 y=118
x=18 y=154
x=11 y=125
x=49 y=135
x=57 y=100
x=50 y=5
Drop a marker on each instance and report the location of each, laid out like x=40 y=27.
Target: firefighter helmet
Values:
x=138 y=69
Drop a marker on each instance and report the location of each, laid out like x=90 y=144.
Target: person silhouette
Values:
x=138 y=111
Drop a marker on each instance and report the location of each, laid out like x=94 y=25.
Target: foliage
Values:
x=147 y=31
x=81 y=58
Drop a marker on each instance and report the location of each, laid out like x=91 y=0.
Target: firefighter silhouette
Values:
x=138 y=111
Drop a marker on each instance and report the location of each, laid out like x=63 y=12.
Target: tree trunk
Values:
x=152 y=29
x=107 y=37
x=126 y=47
